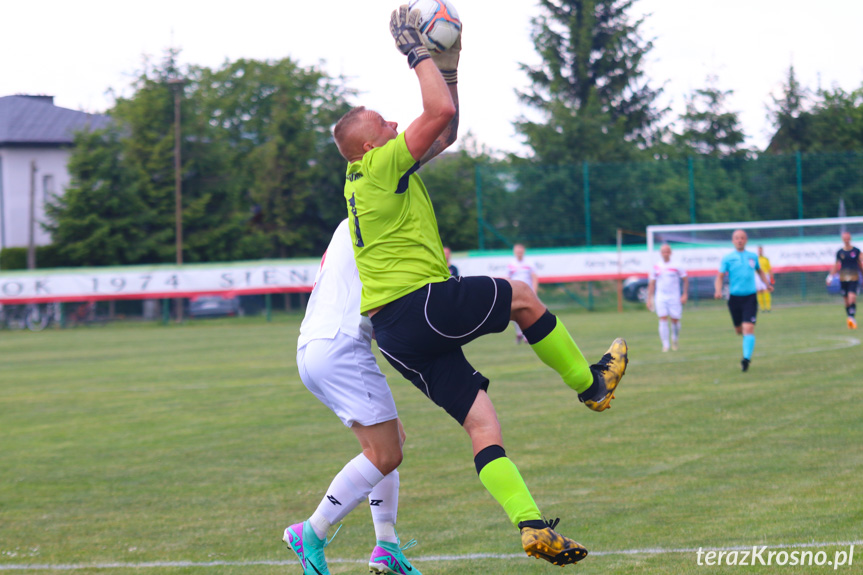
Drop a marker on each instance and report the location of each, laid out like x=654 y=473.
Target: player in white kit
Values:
x=520 y=269
x=336 y=363
x=665 y=297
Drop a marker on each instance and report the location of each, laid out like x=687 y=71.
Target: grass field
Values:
x=187 y=449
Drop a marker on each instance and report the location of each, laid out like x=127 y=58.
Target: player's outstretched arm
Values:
x=449 y=134
x=834 y=270
x=438 y=106
x=447 y=63
x=436 y=127
x=717 y=285
x=765 y=279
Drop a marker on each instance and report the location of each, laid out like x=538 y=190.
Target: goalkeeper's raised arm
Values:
x=437 y=127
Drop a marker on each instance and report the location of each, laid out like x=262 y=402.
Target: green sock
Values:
x=502 y=479
x=558 y=351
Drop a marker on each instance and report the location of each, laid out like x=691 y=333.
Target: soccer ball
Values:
x=439 y=23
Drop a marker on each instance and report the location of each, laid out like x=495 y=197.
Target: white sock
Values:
x=350 y=486
x=663 y=332
x=384 y=503
x=675 y=330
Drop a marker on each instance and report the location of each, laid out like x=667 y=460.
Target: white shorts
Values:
x=343 y=374
x=669 y=307
x=759 y=285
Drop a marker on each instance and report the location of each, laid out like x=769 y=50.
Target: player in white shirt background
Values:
x=520 y=269
x=666 y=298
x=336 y=363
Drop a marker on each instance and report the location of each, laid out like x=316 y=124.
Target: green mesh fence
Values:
x=548 y=206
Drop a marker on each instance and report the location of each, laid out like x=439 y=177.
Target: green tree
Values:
x=451 y=181
x=135 y=159
x=261 y=176
x=818 y=139
x=709 y=128
x=276 y=117
x=831 y=121
x=97 y=220
x=837 y=121
x=790 y=117
x=590 y=86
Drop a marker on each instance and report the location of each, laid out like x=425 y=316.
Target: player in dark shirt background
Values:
x=849 y=266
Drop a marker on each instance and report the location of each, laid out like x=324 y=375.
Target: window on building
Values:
x=48 y=187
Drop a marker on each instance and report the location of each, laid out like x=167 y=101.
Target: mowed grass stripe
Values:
x=436 y=558
x=180 y=446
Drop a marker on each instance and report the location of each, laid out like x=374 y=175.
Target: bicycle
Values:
x=34 y=317
x=39 y=316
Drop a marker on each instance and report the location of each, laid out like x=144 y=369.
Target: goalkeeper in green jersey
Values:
x=421 y=315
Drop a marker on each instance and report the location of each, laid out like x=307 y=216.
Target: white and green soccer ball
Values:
x=439 y=23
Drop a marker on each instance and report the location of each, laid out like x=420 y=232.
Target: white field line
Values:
x=466 y=557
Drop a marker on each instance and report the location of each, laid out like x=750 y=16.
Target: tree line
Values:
x=262 y=178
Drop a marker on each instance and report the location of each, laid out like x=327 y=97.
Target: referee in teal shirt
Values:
x=741 y=266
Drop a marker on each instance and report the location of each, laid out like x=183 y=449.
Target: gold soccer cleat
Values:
x=606 y=376
x=545 y=543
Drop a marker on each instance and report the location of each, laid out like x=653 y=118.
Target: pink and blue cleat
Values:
x=389 y=559
x=308 y=547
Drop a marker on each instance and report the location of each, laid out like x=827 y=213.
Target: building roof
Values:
x=35 y=120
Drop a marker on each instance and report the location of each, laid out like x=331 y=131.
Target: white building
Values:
x=35 y=144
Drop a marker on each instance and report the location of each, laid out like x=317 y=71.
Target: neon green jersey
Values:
x=397 y=245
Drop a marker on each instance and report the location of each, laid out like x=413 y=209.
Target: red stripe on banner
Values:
x=153 y=295
x=585 y=278
x=696 y=273
x=307 y=289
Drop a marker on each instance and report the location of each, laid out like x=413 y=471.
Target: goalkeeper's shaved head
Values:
x=348 y=133
x=361 y=130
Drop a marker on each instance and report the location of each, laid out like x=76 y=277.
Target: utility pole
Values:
x=177 y=87
x=31 y=243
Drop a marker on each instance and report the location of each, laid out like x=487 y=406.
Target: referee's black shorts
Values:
x=421 y=335
x=743 y=308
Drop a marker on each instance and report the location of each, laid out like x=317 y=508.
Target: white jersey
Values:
x=667 y=276
x=522 y=271
x=334 y=305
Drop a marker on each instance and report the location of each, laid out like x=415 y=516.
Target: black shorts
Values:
x=422 y=333
x=743 y=308
x=848 y=287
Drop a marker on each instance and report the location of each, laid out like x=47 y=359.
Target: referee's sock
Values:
x=555 y=347
x=502 y=479
x=748 y=345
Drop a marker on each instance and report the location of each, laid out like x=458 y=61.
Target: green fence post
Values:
x=586 y=179
x=268 y=302
x=479 y=220
x=166 y=311
x=799 y=161
x=587 y=233
x=691 y=170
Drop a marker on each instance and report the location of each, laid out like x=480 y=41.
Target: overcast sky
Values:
x=78 y=51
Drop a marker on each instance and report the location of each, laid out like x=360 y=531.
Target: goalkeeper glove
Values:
x=447 y=62
x=404 y=26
